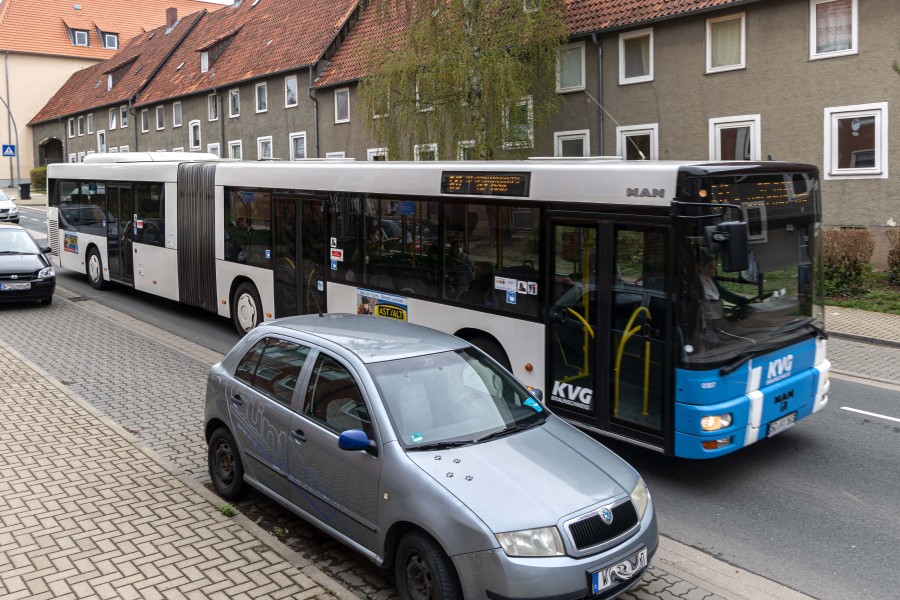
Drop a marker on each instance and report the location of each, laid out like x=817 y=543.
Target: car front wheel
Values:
x=423 y=570
x=225 y=467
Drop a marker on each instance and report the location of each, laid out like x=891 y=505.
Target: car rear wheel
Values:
x=246 y=308
x=423 y=570
x=225 y=467
x=95 y=269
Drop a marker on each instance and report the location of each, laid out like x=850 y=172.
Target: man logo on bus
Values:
x=780 y=368
x=573 y=395
x=645 y=193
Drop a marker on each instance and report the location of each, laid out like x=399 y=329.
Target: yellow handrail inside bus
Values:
x=626 y=335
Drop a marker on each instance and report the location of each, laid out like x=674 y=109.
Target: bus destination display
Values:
x=485 y=183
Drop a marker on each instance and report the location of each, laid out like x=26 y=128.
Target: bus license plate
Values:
x=779 y=425
x=621 y=571
x=14 y=286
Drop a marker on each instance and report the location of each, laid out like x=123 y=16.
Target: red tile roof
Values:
x=582 y=16
x=272 y=37
x=39 y=26
x=86 y=89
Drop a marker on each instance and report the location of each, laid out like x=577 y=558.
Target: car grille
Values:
x=589 y=530
x=20 y=277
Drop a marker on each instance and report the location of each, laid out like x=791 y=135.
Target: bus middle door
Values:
x=299 y=256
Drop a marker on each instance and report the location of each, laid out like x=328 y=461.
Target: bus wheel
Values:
x=492 y=349
x=95 y=269
x=246 y=308
x=423 y=571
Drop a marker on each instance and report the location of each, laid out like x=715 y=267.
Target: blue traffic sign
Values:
x=9 y=150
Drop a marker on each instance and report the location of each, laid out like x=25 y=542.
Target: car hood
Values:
x=21 y=264
x=8 y=204
x=529 y=479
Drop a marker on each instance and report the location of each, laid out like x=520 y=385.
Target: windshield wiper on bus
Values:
x=442 y=445
x=797 y=324
x=507 y=431
x=747 y=355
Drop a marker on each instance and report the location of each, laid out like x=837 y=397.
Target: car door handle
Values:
x=298 y=436
x=237 y=400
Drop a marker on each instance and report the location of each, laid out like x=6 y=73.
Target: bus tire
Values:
x=490 y=347
x=423 y=570
x=226 y=471
x=95 y=269
x=246 y=308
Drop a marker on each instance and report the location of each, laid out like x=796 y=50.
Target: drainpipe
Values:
x=134 y=124
x=65 y=138
x=599 y=87
x=309 y=92
x=223 y=148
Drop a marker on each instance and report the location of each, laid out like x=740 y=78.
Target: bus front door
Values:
x=119 y=233
x=606 y=327
x=299 y=255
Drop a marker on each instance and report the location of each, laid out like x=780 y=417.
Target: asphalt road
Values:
x=814 y=508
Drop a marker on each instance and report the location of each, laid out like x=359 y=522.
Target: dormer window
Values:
x=80 y=37
x=110 y=41
x=204 y=61
x=211 y=52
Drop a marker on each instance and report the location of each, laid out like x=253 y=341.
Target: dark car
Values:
x=25 y=273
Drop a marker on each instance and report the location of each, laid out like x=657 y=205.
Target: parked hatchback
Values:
x=25 y=273
x=417 y=450
x=9 y=212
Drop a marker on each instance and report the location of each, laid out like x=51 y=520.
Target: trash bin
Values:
x=25 y=191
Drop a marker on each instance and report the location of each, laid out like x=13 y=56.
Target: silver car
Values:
x=417 y=450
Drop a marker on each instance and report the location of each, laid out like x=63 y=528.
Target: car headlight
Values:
x=640 y=497
x=46 y=273
x=532 y=542
x=13 y=211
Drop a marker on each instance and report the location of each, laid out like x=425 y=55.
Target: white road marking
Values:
x=862 y=412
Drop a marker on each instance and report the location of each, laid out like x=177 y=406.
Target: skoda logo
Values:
x=13 y=276
x=606 y=515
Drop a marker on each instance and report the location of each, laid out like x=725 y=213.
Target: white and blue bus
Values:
x=674 y=305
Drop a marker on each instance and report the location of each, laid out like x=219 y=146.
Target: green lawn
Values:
x=882 y=297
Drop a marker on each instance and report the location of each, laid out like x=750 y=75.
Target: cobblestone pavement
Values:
x=862 y=359
x=153 y=384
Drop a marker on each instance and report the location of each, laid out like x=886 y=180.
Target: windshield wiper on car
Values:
x=507 y=431
x=797 y=324
x=442 y=445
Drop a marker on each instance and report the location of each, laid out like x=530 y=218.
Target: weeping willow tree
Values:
x=461 y=78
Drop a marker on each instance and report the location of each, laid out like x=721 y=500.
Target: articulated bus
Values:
x=673 y=305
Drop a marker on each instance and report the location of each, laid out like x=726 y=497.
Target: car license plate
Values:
x=779 y=425
x=623 y=570
x=14 y=286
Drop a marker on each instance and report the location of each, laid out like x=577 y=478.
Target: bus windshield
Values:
x=728 y=313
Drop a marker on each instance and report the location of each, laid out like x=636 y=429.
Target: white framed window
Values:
x=726 y=43
x=214 y=149
x=264 y=147
x=425 y=152
x=531 y=5
x=124 y=149
x=101 y=141
x=80 y=37
x=176 y=114
x=109 y=82
x=204 y=61
x=235 y=149
x=176 y=150
x=80 y=126
x=572 y=143
x=212 y=107
x=735 y=138
x=262 y=97
x=375 y=154
x=90 y=123
x=160 y=118
x=113 y=150
x=290 y=91
x=465 y=150
x=234 y=103
x=111 y=41
x=297 y=142
x=636 y=56
x=113 y=117
x=638 y=142
x=123 y=117
x=856 y=141
x=519 y=121
x=833 y=28
x=382 y=108
x=335 y=154
x=81 y=156
x=73 y=158
x=145 y=120
x=194 y=134
x=570 y=68
x=342 y=105
x=71 y=127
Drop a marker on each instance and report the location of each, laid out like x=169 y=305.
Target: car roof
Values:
x=10 y=226
x=371 y=339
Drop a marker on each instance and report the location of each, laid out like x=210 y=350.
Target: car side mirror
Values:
x=353 y=439
x=46 y=249
x=538 y=394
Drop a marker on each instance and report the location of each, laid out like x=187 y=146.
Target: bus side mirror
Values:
x=730 y=239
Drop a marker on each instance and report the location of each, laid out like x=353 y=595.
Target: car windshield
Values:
x=4 y=197
x=17 y=241
x=453 y=398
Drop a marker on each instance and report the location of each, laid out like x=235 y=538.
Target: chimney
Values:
x=171 y=16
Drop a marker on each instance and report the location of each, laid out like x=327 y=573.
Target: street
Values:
x=814 y=508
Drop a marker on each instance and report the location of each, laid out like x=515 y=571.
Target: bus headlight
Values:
x=532 y=542
x=715 y=422
x=640 y=497
x=47 y=273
